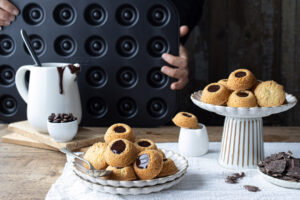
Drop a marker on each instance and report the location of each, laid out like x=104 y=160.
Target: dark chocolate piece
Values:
x=187 y=115
x=251 y=188
x=144 y=144
x=234 y=178
x=119 y=129
x=294 y=172
x=118 y=147
x=61 y=76
x=276 y=166
x=142 y=161
x=213 y=88
x=240 y=74
x=165 y=159
x=242 y=94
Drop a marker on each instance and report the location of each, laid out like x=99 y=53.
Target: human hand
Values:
x=181 y=72
x=8 y=13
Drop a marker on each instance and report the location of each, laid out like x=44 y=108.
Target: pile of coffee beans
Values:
x=282 y=166
x=61 y=118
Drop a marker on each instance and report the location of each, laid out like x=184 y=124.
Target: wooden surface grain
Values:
x=28 y=173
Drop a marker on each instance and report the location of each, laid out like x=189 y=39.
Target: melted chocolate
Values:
x=142 y=161
x=240 y=74
x=242 y=94
x=213 y=88
x=118 y=147
x=144 y=144
x=61 y=76
x=119 y=129
x=187 y=115
x=74 y=70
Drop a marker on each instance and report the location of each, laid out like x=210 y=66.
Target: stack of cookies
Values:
x=128 y=158
x=241 y=89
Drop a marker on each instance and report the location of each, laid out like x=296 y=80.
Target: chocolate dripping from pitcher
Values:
x=74 y=69
x=61 y=75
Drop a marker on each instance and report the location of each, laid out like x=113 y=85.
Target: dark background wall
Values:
x=261 y=35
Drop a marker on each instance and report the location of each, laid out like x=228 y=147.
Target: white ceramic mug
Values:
x=193 y=142
x=43 y=95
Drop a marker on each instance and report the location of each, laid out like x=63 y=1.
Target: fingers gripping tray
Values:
x=119 y=46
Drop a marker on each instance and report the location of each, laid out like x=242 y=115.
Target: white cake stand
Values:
x=242 y=141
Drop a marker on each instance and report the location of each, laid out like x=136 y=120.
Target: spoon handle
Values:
x=29 y=47
x=68 y=152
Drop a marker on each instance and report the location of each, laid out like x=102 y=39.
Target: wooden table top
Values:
x=28 y=173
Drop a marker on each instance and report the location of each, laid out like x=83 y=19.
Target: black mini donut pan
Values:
x=119 y=46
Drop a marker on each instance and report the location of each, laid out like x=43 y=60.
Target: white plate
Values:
x=179 y=160
x=279 y=182
x=243 y=112
x=130 y=191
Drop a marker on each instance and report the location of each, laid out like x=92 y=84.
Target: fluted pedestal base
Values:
x=242 y=143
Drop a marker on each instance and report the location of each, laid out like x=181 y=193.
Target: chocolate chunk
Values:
x=276 y=166
x=119 y=129
x=118 y=147
x=165 y=159
x=240 y=74
x=142 y=161
x=144 y=144
x=213 y=88
x=187 y=115
x=234 y=178
x=251 y=188
x=294 y=172
x=242 y=94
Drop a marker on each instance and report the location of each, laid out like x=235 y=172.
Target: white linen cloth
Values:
x=205 y=179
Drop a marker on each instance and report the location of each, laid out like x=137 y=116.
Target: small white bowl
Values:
x=63 y=132
x=193 y=142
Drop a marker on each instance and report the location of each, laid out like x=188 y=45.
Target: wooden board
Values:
x=85 y=137
x=15 y=138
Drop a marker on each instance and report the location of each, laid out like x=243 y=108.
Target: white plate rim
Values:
x=139 y=183
x=243 y=112
x=130 y=191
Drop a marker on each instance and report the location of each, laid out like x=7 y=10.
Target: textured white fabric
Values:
x=204 y=180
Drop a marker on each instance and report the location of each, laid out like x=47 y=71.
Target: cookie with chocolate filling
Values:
x=185 y=120
x=120 y=153
x=269 y=93
x=148 y=164
x=162 y=153
x=215 y=93
x=243 y=98
x=241 y=79
x=119 y=131
x=121 y=173
x=95 y=155
x=223 y=82
x=169 y=168
x=145 y=144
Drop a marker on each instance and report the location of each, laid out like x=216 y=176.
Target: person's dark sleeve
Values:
x=190 y=12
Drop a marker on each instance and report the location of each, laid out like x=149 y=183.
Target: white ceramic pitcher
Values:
x=44 y=95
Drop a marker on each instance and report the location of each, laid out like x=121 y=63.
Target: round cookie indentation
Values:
x=119 y=129
x=240 y=74
x=118 y=147
x=242 y=94
x=186 y=115
x=213 y=88
x=144 y=144
x=142 y=161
